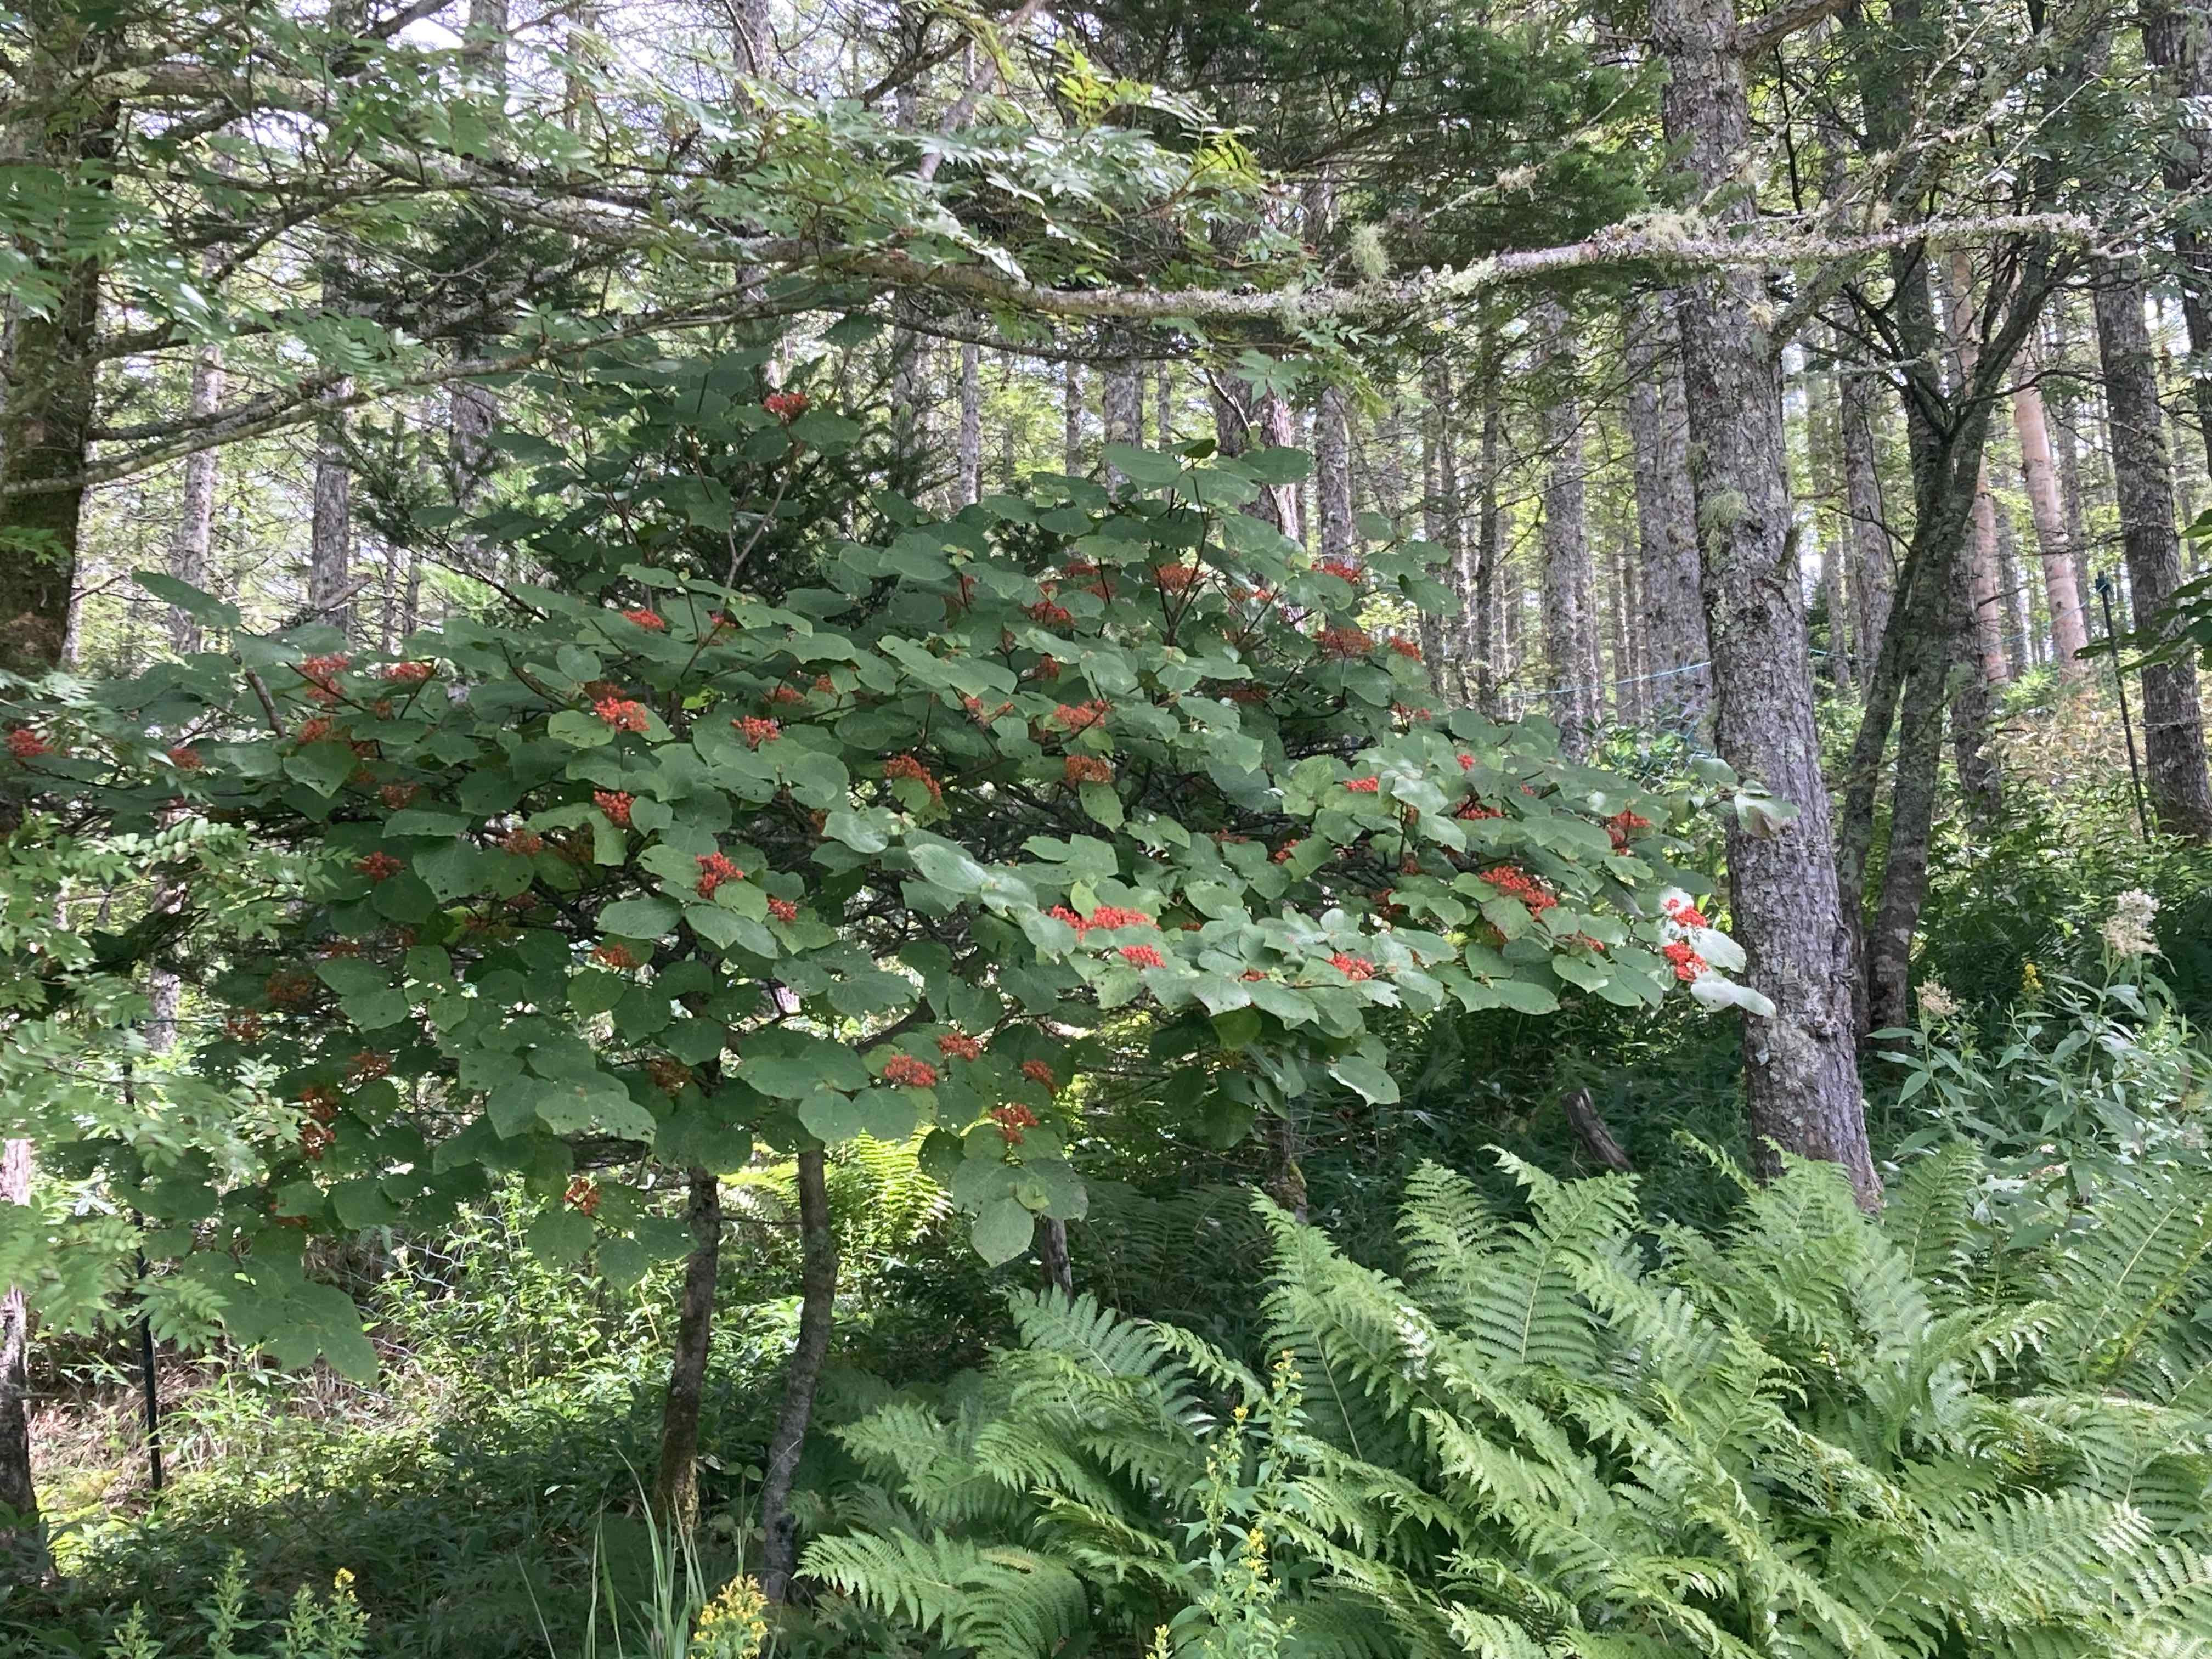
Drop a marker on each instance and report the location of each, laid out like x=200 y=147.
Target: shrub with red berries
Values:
x=909 y=1071
x=786 y=406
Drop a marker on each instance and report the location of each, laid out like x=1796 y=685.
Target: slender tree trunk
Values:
x=1071 y=419
x=2062 y=587
x=1123 y=407
x=1333 y=479
x=2173 y=720
x=1053 y=1257
x=1570 y=626
x=329 y=556
x=1163 y=410
x=22 y=1552
x=1872 y=580
x=1982 y=548
x=675 y=1481
x=2177 y=37
x=971 y=424
x=195 y=532
x=2020 y=645
x=817 y=1279
x=1799 y=1062
x=1489 y=585
x=1665 y=517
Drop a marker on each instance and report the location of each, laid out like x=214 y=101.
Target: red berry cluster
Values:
x=1688 y=965
x=620 y=712
x=1050 y=614
x=1037 y=1071
x=378 y=866
x=1364 y=786
x=409 y=673
x=714 y=869
x=757 y=731
x=398 y=795
x=583 y=1195
x=1105 y=916
x=668 y=1073
x=615 y=804
x=1684 y=914
x=1345 y=642
x=906 y=1069
x=314 y=1141
x=614 y=955
x=368 y=1066
x=1517 y=882
x=1352 y=967
x=959 y=1045
x=786 y=406
x=906 y=766
x=1142 y=956
x=1625 y=826
x=185 y=759
x=787 y=694
x=313 y=730
x=523 y=843
x=1074 y=717
x=1013 y=1121
x=1407 y=649
x=1344 y=570
x=651 y=621
x=1087 y=768
x=1177 y=578
x=783 y=909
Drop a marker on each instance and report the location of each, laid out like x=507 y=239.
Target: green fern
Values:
x=1809 y=1434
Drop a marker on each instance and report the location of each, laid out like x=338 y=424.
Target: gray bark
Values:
x=1800 y=1067
x=195 y=532
x=1982 y=579
x=2062 y=587
x=2142 y=473
x=1872 y=578
x=1571 y=651
x=1332 y=476
x=971 y=424
x=1488 y=610
x=2178 y=42
x=1666 y=516
x=676 y=1478
x=329 y=551
x=1070 y=407
x=1164 y=412
x=817 y=1279
x=1121 y=407
x=22 y=1554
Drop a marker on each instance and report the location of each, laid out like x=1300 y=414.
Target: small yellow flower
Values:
x=342 y=1579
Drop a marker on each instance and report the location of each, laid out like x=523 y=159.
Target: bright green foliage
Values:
x=1814 y=1434
x=657 y=861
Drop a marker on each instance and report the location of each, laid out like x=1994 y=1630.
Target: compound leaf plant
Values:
x=731 y=830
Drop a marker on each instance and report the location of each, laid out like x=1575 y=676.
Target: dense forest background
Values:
x=1274 y=827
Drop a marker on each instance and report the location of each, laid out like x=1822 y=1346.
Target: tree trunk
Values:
x=23 y=1550
x=817 y=1281
x=2177 y=41
x=1123 y=407
x=2062 y=587
x=1489 y=551
x=329 y=554
x=1570 y=626
x=52 y=384
x=1872 y=579
x=1164 y=411
x=195 y=532
x=1052 y=1255
x=1982 y=586
x=2142 y=475
x=1333 y=479
x=2019 y=644
x=1071 y=416
x=1666 y=518
x=971 y=424
x=676 y=1480
x=1799 y=1064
